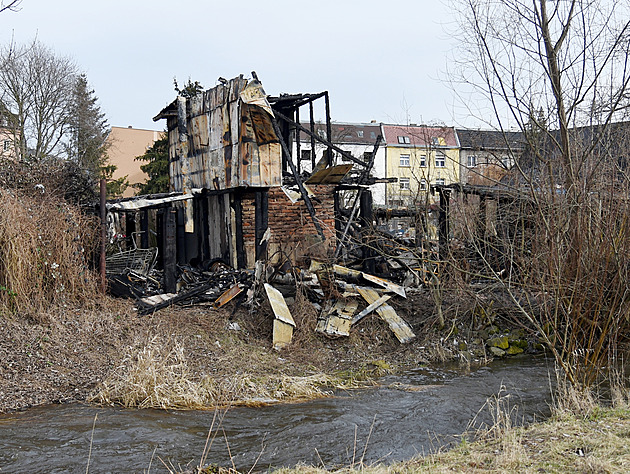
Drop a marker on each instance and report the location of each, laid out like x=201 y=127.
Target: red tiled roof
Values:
x=419 y=135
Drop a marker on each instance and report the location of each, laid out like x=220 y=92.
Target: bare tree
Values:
x=561 y=59
x=558 y=70
x=36 y=90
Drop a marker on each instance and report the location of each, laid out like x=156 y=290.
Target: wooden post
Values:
x=337 y=210
x=261 y=221
x=170 y=250
x=144 y=227
x=203 y=230
x=443 y=221
x=180 y=232
x=328 y=127
x=103 y=211
x=312 y=120
x=130 y=229
x=367 y=221
x=241 y=256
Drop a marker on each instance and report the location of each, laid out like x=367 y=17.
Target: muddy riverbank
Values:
x=79 y=354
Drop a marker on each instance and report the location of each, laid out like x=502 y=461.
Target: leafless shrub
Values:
x=44 y=251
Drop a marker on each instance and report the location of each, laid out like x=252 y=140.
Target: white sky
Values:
x=380 y=60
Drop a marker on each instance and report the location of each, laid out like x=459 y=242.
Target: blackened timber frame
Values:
x=261 y=221
x=237 y=205
x=314 y=136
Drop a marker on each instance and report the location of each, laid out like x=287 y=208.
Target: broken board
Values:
x=337 y=321
x=348 y=272
x=399 y=327
x=283 y=323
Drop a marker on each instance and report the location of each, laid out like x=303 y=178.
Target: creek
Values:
x=414 y=413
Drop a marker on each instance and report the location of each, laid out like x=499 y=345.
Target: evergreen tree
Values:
x=88 y=139
x=88 y=129
x=156 y=167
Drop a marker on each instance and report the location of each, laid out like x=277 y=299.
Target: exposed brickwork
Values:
x=292 y=229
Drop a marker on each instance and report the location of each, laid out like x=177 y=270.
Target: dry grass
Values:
x=44 y=250
x=159 y=375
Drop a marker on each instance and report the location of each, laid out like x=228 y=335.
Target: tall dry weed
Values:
x=45 y=246
x=159 y=375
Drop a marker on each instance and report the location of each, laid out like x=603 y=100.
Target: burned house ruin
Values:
x=237 y=193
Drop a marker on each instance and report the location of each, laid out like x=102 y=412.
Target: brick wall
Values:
x=292 y=229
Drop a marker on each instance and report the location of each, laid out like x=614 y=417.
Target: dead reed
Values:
x=159 y=375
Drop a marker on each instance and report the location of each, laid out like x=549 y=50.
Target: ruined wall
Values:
x=292 y=229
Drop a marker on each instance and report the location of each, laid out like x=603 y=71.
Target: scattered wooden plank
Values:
x=337 y=321
x=370 y=308
x=348 y=272
x=283 y=323
x=399 y=327
x=228 y=295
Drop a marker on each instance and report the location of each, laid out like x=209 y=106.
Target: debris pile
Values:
x=342 y=296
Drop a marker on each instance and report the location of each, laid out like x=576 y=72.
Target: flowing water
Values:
x=406 y=415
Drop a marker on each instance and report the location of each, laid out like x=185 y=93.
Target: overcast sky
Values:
x=379 y=60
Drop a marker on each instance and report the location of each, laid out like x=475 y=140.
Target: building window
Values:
x=404 y=140
x=423 y=160
x=360 y=133
x=6 y=145
x=306 y=155
x=321 y=133
x=471 y=161
x=423 y=184
x=404 y=161
x=440 y=161
x=440 y=182
x=405 y=184
x=367 y=156
x=372 y=135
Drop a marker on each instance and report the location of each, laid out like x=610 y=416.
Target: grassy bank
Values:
x=590 y=438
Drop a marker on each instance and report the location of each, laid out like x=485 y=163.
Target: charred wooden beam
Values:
x=170 y=250
x=261 y=221
x=298 y=150
x=312 y=124
x=328 y=126
x=144 y=228
x=241 y=256
x=297 y=100
x=296 y=176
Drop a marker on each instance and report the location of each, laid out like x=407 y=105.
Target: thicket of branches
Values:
x=45 y=249
x=48 y=180
x=560 y=246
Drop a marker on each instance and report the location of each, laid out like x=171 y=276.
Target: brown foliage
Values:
x=45 y=244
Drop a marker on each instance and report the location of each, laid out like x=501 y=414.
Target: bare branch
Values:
x=12 y=6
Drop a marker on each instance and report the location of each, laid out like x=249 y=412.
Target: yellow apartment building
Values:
x=419 y=156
